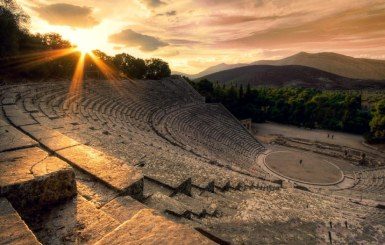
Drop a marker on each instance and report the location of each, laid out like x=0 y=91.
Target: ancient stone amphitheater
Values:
x=150 y=162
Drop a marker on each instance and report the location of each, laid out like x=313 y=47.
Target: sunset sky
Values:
x=193 y=35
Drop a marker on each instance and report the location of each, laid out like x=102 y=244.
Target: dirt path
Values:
x=336 y=138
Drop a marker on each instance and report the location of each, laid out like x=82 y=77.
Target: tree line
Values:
x=305 y=107
x=38 y=56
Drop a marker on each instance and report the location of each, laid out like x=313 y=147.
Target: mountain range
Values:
x=342 y=65
x=291 y=75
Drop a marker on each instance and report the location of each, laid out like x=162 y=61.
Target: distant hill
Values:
x=291 y=75
x=210 y=70
x=342 y=65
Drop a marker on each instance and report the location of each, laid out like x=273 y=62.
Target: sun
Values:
x=84 y=40
x=84 y=48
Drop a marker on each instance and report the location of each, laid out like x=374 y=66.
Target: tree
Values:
x=54 y=41
x=377 y=124
x=13 y=26
x=241 y=93
x=157 y=69
x=132 y=67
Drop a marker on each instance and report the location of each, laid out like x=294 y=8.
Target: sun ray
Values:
x=77 y=79
x=35 y=59
x=109 y=72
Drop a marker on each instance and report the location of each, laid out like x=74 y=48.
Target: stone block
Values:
x=112 y=171
x=74 y=222
x=58 y=142
x=123 y=208
x=12 y=139
x=22 y=119
x=32 y=177
x=17 y=116
x=93 y=190
x=13 y=230
x=29 y=106
x=149 y=227
x=162 y=202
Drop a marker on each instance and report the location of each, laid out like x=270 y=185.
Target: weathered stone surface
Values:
x=18 y=117
x=3 y=123
x=74 y=222
x=50 y=138
x=29 y=106
x=165 y=203
x=31 y=177
x=123 y=208
x=10 y=99
x=11 y=139
x=58 y=142
x=39 y=131
x=13 y=230
x=110 y=170
x=22 y=119
x=148 y=227
x=93 y=190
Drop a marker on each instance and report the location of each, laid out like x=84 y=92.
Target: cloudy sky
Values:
x=193 y=35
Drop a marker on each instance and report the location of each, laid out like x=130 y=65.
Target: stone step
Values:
x=13 y=230
x=165 y=203
x=13 y=139
x=151 y=187
x=77 y=221
x=17 y=116
x=93 y=190
x=123 y=208
x=169 y=180
x=149 y=227
x=31 y=177
x=112 y=171
x=49 y=138
x=196 y=206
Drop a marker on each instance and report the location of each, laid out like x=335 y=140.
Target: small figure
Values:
x=332 y=136
x=328 y=135
x=300 y=162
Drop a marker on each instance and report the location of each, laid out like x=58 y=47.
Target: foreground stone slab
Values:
x=39 y=131
x=93 y=190
x=58 y=142
x=49 y=138
x=12 y=139
x=148 y=227
x=13 y=230
x=110 y=170
x=123 y=208
x=22 y=119
x=74 y=222
x=31 y=177
x=17 y=116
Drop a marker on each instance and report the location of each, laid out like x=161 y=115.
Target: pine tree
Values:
x=241 y=93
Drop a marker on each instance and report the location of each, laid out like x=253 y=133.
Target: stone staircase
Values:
x=40 y=172
x=13 y=230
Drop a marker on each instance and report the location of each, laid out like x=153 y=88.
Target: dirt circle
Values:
x=303 y=167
